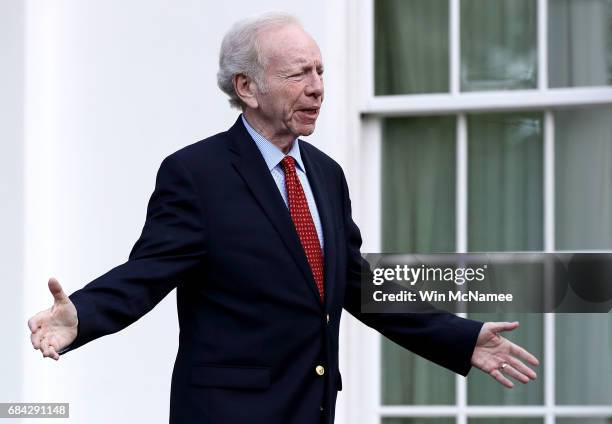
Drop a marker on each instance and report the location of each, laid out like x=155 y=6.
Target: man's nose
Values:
x=315 y=85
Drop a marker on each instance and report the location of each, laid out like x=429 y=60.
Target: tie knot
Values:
x=288 y=164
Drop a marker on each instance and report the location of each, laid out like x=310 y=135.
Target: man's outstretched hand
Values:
x=55 y=328
x=499 y=357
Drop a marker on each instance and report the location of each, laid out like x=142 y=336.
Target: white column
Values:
x=12 y=317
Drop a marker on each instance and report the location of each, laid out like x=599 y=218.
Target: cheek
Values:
x=292 y=99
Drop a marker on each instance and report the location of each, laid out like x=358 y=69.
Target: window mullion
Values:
x=366 y=33
x=549 y=182
x=368 y=203
x=543 y=45
x=549 y=367
x=454 y=44
x=549 y=247
x=461 y=236
x=461 y=223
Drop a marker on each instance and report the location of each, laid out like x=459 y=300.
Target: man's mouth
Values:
x=309 y=113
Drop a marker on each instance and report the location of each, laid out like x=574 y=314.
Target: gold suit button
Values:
x=320 y=370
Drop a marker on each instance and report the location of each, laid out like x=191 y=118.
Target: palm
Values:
x=55 y=328
x=489 y=343
x=61 y=322
x=497 y=355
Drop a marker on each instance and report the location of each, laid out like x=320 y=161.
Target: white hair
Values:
x=241 y=52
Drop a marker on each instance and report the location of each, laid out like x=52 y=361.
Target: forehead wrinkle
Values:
x=284 y=59
x=301 y=62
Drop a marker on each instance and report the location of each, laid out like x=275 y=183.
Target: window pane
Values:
x=418 y=195
x=484 y=390
x=580 y=379
x=580 y=43
x=418 y=421
x=583 y=174
x=498 y=44
x=505 y=182
x=411 y=46
x=506 y=420
x=580 y=420
x=505 y=214
x=408 y=379
x=583 y=168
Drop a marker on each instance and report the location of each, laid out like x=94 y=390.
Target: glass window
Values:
x=505 y=420
x=411 y=46
x=584 y=221
x=408 y=379
x=498 y=44
x=505 y=185
x=418 y=421
x=418 y=175
x=482 y=391
x=583 y=176
x=505 y=162
x=583 y=379
x=580 y=43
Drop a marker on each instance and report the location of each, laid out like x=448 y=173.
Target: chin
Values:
x=306 y=130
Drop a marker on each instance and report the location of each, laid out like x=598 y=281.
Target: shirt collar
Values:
x=270 y=152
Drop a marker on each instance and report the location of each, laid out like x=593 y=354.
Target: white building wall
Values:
x=13 y=329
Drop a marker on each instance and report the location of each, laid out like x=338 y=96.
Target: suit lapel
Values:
x=316 y=178
x=251 y=166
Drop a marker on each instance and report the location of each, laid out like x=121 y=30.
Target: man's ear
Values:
x=245 y=88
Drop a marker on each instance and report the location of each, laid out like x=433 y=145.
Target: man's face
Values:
x=289 y=103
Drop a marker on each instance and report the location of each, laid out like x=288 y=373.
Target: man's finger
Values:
x=44 y=344
x=512 y=372
x=34 y=323
x=56 y=291
x=48 y=350
x=496 y=374
x=521 y=367
x=52 y=339
x=498 y=327
x=35 y=338
x=523 y=354
x=52 y=353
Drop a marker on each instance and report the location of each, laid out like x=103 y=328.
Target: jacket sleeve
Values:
x=441 y=337
x=169 y=251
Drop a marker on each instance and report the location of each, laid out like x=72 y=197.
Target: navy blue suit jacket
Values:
x=252 y=326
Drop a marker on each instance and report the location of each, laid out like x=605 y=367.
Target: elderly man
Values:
x=253 y=227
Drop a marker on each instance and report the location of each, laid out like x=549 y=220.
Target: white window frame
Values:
x=363 y=402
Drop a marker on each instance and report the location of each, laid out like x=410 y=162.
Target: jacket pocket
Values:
x=230 y=377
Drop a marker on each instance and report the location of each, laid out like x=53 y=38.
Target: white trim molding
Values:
x=442 y=104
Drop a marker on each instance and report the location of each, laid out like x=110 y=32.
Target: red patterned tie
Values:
x=300 y=214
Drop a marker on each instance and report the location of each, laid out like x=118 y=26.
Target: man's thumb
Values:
x=497 y=327
x=56 y=291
